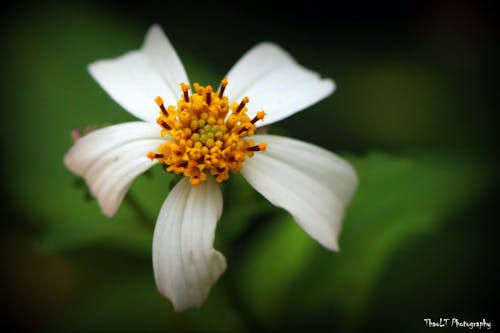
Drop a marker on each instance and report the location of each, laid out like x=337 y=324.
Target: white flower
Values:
x=203 y=136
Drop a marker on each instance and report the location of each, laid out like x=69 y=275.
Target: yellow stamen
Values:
x=163 y=124
x=259 y=116
x=159 y=101
x=153 y=156
x=203 y=139
x=208 y=91
x=185 y=90
x=223 y=84
x=260 y=147
x=246 y=127
x=243 y=102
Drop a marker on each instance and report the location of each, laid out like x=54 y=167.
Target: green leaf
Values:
x=286 y=275
x=270 y=265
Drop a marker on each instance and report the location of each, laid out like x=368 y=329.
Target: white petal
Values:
x=136 y=78
x=311 y=183
x=275 y=83
x=185 y=263
x=110 y=158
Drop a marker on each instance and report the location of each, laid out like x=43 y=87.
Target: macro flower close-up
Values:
x=248 y=167
x=205 y=135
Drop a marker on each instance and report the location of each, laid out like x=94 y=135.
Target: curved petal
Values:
x=275 y=83
x=136 y=78
x=311 y=183
x=110 y=158
x=185 y=263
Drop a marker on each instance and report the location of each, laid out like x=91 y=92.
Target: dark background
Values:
x=415 y=111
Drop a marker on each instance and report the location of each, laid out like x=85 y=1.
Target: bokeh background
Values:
x=414 y=112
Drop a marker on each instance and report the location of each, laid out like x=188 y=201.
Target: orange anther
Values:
x=259 y=116
x=223 y=84
x=159 y=101
x=153 y=156
x=246 y=127
x=185 y=90
x=163 y=124
x=208 y=91
x=262 y=146
x=244 y=101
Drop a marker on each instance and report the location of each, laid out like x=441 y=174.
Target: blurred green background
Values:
x=414 y=112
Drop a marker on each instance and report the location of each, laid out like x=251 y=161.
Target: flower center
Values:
x=208 y=136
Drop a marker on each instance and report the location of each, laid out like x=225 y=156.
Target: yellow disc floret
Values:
x=208 y=136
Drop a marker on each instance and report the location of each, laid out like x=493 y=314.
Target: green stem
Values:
x=140 y=213
x=230 y=281
x=244 y=312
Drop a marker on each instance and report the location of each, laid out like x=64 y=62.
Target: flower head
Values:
x=205 y=135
